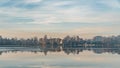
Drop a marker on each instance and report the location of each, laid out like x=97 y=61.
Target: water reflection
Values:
x=59 y=57
x=66 y=49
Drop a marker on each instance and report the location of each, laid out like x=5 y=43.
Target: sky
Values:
x=74 y=17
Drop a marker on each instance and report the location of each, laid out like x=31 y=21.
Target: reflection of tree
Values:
x=73 y=51
x=66 y=50
x=99 y=51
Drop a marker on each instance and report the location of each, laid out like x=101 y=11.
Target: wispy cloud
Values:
x=59 y=11
x=111 y=3
x=44 y=14
x=32 y=1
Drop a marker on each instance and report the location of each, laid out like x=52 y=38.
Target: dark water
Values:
x=20 y=57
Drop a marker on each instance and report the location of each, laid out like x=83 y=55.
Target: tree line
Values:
x=66 y=42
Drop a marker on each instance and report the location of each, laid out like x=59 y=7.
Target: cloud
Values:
x=32 y=1
x=57 y=15
x=58 y=11
x=111 y=3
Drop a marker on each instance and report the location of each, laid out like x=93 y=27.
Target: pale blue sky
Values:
x=75 y=16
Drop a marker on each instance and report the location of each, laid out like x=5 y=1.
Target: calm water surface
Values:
x=85 y=59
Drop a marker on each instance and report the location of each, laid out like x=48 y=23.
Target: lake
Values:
x=20 y=57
